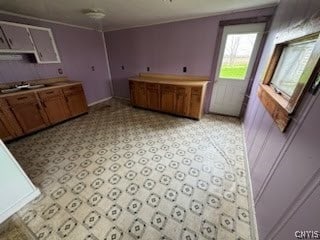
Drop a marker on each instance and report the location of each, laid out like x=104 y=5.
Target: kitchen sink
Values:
x=10 y=90
x=22 y=87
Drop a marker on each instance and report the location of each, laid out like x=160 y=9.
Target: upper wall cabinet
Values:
x=17 y=37
x=45 y=45
x=3 y=42
x=21 y=38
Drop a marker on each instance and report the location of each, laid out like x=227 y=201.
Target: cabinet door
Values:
x=140 y=94
x=5 y=133
x=9 y=127
x=195 y=103
x=132 y=92
x=76 y=100
x=28 y=112
x=3 y=42
x=182 y=100
x=44 y=45
x=18 y=37
x=153 y=96
x=55 y=105
x=167 y=98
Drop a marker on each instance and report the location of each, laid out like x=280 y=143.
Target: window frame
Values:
x=278 y=104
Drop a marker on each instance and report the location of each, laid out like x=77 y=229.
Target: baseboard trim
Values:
x=18 y=205
x=99 y=101
x=122 y=98
x=254 y=226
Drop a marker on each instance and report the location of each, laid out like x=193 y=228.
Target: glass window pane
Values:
x=236 y=56
x=291 y=65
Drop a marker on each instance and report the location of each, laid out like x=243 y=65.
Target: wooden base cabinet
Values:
x=55 y=105
x=75 y=100
x=167 y=94
x=153 y=96
x=167 y=98
x=9 y=128
x=182 y=99
x=139 y=94
x=27 y=112
x=196 y=102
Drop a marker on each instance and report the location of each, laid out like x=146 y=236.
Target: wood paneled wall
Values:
x=285 y=168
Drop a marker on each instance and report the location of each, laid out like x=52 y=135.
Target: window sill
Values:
x=276 y=105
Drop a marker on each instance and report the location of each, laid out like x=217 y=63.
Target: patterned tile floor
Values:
x=126 y=173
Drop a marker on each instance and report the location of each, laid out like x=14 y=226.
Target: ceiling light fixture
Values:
x=95 y=13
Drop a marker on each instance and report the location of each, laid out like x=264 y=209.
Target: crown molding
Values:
x=217 y=14
x=45 y=20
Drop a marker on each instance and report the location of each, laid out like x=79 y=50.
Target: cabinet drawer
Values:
x=50 y=93
x=21 y=99
x=74 y=89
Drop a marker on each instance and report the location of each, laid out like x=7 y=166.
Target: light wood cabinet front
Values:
x=55 y=105
x=28 y=112
x=167 y=98
x=9 y=127
x=140 y=96
x=5 y=133
x=182 y=100
x=153 y=97
x=75 y=99
x=168 y=93
x=195 y=102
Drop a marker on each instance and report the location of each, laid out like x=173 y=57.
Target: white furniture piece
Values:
x=16 y=189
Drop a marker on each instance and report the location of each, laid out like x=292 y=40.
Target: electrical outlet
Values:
x=122 y=67
x=148 y=69
x=60 y=71
x=184 y=69
x=93 y=68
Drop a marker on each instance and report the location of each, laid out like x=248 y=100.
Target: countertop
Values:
x=168 y=81
x=47 y=87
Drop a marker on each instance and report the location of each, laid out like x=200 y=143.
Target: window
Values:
x=291 y=65
x=237 y=55
x=294 y=65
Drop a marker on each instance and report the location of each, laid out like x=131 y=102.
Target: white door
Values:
x=238 y=51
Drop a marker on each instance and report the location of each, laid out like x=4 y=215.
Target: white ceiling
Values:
x=127 y=13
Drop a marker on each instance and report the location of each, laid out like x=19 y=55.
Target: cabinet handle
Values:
x=10 y=41
x=21 y=98
x=44 y=104
x=40 y=54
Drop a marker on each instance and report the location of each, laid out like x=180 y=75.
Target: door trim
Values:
x=262 y=19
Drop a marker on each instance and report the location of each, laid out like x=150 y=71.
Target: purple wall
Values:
x=167 y=48
x=285 y=168
x=79 y=49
